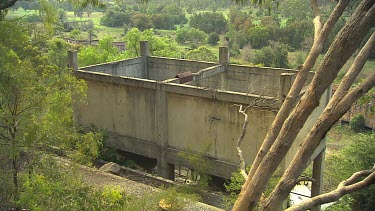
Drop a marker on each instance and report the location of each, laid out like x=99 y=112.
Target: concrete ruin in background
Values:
x=158 y=107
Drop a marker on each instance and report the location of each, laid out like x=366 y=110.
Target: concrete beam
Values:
x=321 y=147
x=219 y=168
x=136 y=146
x=208 y=72
x=235 y=97
x=148 y=149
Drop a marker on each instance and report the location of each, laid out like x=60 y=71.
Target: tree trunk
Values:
x=339 y=104
x=320 y=36
x=301 y=160
x=340 y=51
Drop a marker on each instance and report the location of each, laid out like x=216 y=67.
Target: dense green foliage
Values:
x=357 y=124
x=213 y=38
x=161 y=17
x=274 y=55
x=200 y=165
x=201 y=54
x=115 y=17
x=358 y=155
x=104 y=52
x=192 y=35
x=55 y=187
x=159 y=46
x=37 y=92
x=209 y=22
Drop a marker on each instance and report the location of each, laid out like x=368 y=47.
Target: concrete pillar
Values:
x=223 y=55
x=286 y=82
x=144 y=48
x=145 y=52
x=73 y=60
x=317 y=175
x=165 y=169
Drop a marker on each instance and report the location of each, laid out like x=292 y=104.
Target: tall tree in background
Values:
x=292 y=115
x=36 y=95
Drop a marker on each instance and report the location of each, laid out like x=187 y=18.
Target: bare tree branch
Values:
x=355 y=68
x=297 y=86
x=242 y=165
x=317 y=20
x=335 y=109
x=344 y=45
x=345 y=187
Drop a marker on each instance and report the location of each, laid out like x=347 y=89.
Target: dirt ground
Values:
x=97 y=178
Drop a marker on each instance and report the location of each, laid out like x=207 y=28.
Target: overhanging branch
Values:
x=345 y=187
x=7 y=4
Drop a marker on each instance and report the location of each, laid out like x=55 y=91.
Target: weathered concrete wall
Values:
x=256 y=80
x=160 y=69
x=195 y=123
x=152 y=118
x=158 y=119
x=130 y=67
x=124 y=110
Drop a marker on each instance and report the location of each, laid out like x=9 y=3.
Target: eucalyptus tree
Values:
x=294 y=113
x=37 y=94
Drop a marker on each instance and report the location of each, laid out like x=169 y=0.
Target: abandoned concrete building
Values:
x=157 y=107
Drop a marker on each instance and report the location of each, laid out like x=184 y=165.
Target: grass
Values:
x=20 y=13
x=95 y=17
x=337 y=137
x=367 y=69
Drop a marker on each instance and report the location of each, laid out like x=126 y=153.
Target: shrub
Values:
x=246 y=53
x=33 y=18
x=200 y=165
x=356 y=156
x=274 y=55
x=213 y=38
x=357 y=124
x=52 y=187
x=201 y=54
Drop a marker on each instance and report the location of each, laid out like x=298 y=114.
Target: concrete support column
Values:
x=317 y=175
x=144 y=48
x=165 y=169
x=73 y=60
x=145 y=52
x=286 y=82
x=223 y=55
